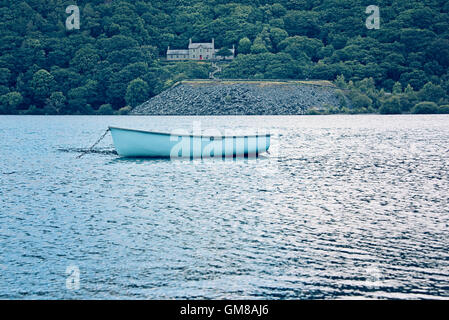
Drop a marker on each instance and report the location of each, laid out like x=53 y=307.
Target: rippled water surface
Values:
x=344 y=206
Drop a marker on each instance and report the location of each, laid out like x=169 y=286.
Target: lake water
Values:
x=344 y=206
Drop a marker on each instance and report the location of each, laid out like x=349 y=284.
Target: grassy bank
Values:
x=265 y=82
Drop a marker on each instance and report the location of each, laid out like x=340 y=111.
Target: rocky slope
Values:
x=240 y=98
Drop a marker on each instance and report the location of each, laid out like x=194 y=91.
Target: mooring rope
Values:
x=93 y=146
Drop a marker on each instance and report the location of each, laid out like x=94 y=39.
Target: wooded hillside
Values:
x=114 y=59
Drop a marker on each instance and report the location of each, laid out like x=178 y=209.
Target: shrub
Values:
x=361 y=101
x=124 y=111
x=443 y=109
x=425 y=107
x=431 y=92
x=313 y=112
x=330 y=109
x=137 y=92
x=33 y=110
x=341 y=98
x=391 y=106
x=345 y=110
x=105 y=109
x=9 y=102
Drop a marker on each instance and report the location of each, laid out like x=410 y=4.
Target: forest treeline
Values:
x=115 y=60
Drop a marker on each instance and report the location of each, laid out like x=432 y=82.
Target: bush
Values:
x=86 y=109
x=391 y=106
x=9 y=102
x=330 y=109
x=425 y=107
x=33 y=110
x=137 y=92
x=341 y=98
x=105 y=109
x=124 y=111
x=431 y=92
x=345 y=110
x=312 y=112
x=362 y=110
x=443 y=109
x=49 y=110
x=361 y=101
x=407 y=102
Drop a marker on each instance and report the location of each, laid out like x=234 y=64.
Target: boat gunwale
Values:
x=191 y=135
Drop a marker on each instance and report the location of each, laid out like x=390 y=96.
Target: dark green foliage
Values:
x=224 y=52
x=105 y=109
x=244 y=45
x=137 y=92
x=391 y=105
x=362 y=101
x=124 y=111
x=80 y=71
x=9 y=102
x=444 y=109
x=431 y=92
x=56 y=102
x=264 y=65
x=42 y=85
x=425 y=107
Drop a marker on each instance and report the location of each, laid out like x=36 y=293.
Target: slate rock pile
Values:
x=221 y=98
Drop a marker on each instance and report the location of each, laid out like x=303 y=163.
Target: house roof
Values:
x=177 y=51
x=202 y=45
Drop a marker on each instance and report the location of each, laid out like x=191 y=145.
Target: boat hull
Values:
x=137 y=143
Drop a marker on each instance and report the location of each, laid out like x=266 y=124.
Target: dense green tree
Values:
x=397 y=88
x=9 y=102
x=42 y=85
x=431 y=92
x=258 y=46
x=56 y=102
x=85 y=60
x=244 y=45
x=277 y=35
x=303 y=23
x=265 y=65
x=105 y=109
x=361 y=101
x=298 y=45
x=137 y=92
x=391 y=105
x=5 y=77
x=224 y=52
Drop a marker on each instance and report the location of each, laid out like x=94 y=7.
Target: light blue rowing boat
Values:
x=139 y=143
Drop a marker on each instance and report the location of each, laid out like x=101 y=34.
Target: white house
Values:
x=198 y=51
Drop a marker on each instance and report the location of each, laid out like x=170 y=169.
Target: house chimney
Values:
x=213 y=43
x=190 y=41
